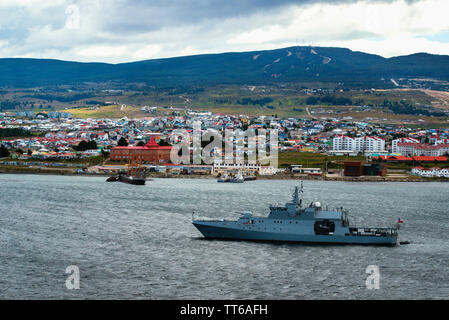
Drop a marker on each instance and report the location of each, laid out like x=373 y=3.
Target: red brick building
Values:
x=354 y=168
x=150 y=153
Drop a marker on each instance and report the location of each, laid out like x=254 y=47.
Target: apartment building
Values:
x=358 y=144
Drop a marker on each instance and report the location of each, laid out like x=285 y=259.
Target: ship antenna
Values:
x=295 y=196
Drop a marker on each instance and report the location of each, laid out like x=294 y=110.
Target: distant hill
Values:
x=294 y=64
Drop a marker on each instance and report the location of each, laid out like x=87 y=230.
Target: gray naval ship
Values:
x=296 y=223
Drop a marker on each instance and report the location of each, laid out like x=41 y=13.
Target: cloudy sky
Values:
x=128 y=30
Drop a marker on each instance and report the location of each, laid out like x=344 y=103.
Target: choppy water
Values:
x=134 y=242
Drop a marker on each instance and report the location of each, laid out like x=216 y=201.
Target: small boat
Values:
x=224 y=178
x=238 y=178
x=250 y=178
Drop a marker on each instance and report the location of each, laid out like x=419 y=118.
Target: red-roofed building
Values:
x=410 y=159
x=420 y=149
x=430 y=159
x=150 y=153
x=432 y=172
x=394 y=143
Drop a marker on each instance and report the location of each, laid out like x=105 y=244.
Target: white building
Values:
x=442 y=141
x=223 y=167
x=359 y=144
x=420 y=149
x=342 y=142
x=432 y=172
x=394 y=143
x=444 y=173
x=370 y=144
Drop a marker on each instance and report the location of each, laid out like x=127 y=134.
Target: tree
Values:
x=164 y=143
x=122 y=142
x=83 y=146
x=104 y=153
x=141 y=144
x=312 y=100
x=4 y=153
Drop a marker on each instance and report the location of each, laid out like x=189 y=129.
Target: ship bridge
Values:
x=329 y=215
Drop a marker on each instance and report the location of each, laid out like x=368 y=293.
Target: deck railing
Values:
x=361 y=231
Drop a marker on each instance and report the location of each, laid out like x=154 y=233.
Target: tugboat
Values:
x=112 y=179
x=131 y=179
x=296 y=223
x=136 y=174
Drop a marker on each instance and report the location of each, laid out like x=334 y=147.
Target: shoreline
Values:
x=212 y=177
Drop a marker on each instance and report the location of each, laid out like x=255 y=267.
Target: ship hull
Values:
x=130 y=180
x=112 y=179
x=210 y=231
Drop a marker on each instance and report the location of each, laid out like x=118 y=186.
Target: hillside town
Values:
x=59 y=137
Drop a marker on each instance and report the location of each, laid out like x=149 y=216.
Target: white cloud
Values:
x=126 y=30
x=73 y=21
x=323 y=23
x=147 y=52
x=392 y=46
x=102 y=52
x=33 y=4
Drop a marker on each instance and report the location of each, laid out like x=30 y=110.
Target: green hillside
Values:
x=294 y=64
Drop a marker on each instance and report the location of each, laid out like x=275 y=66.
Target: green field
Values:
x=90 y=161
x=314 y=160
x=318 y=160
x=111 y=111
x=291 y=100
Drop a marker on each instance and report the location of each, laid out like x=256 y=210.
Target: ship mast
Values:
x=296 y=198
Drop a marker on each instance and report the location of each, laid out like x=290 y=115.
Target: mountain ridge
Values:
x=284 y=65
